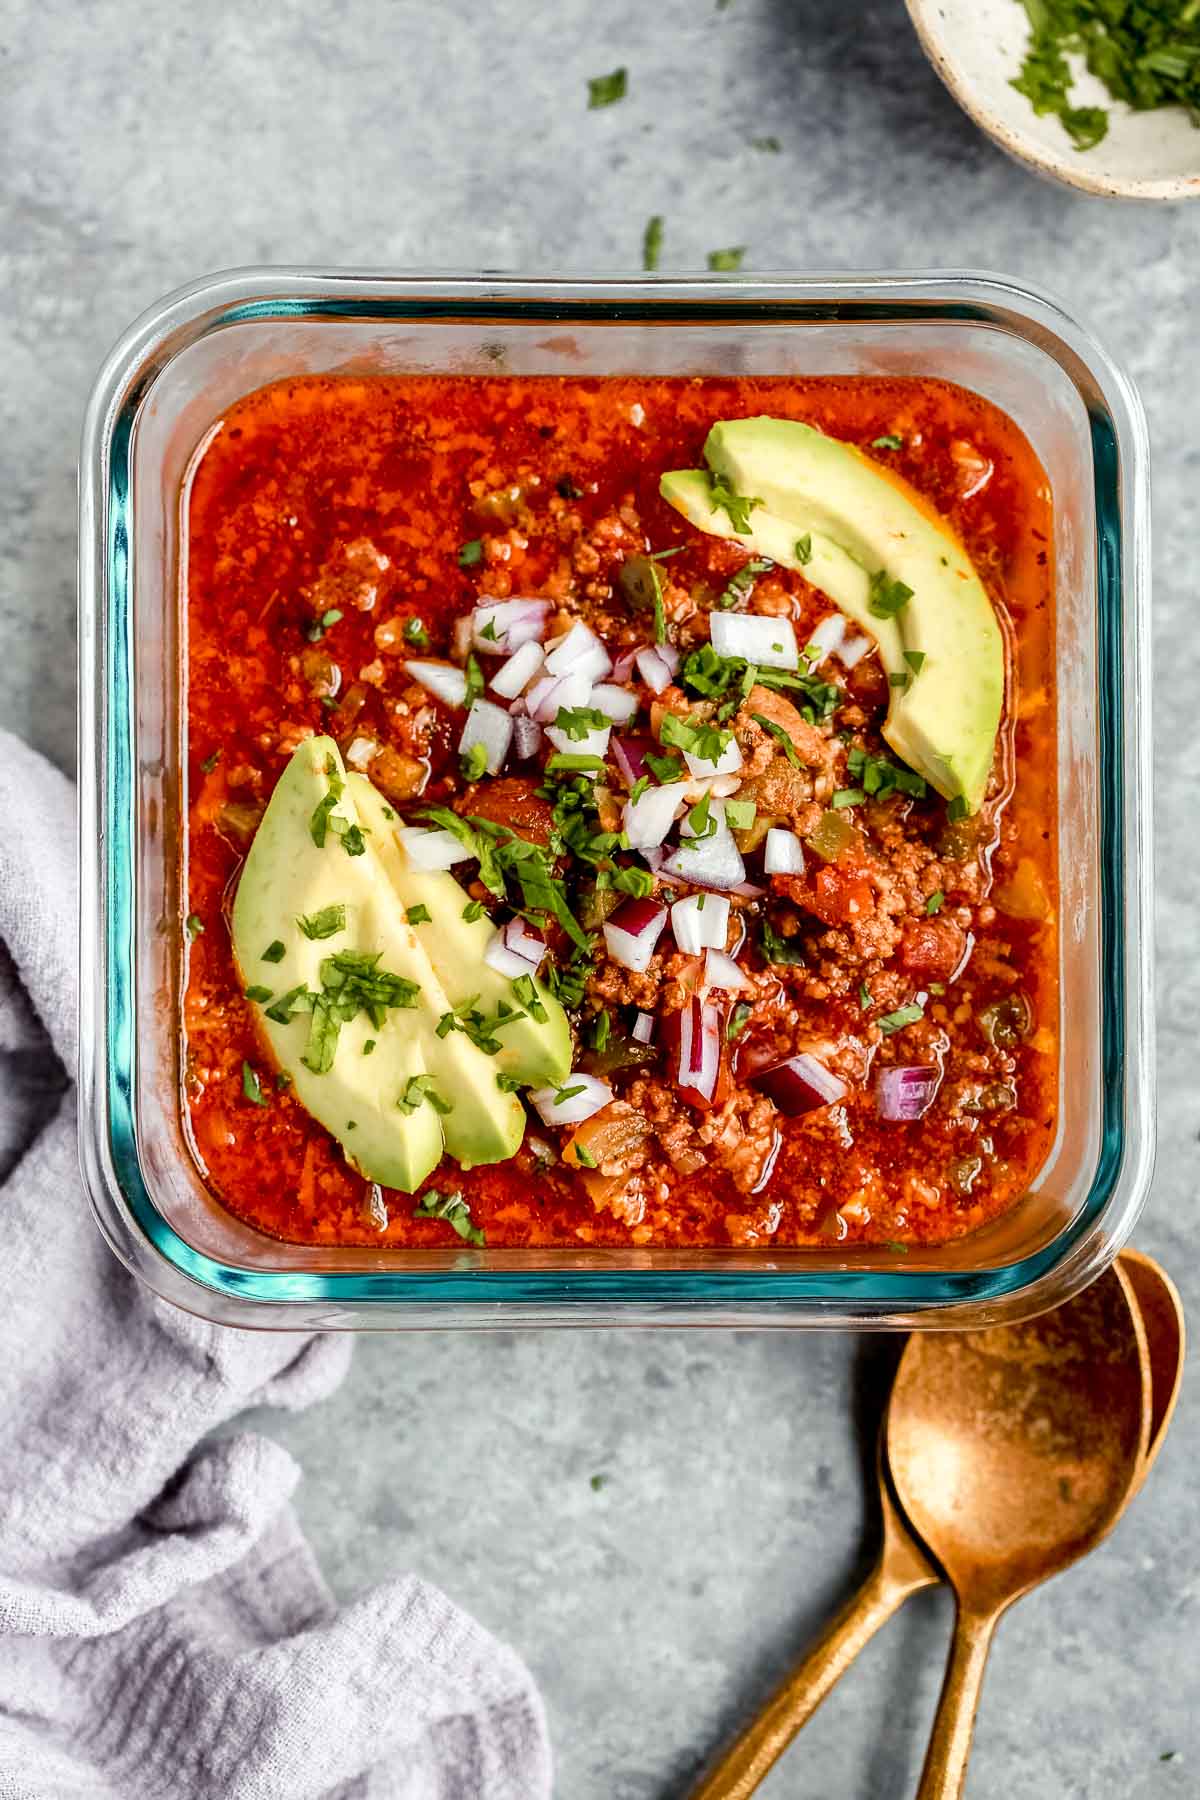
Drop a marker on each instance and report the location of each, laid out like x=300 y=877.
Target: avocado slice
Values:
x=537 y=1053
x=943 y=717
x=287 y=876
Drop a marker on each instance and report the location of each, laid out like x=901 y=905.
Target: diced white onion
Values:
x=784 y=853
x=593 y=743
x=515 y=950
x=442 y=680
x=550 y=692
x=490 y=726
x=648 y=819
x=700 y=922
x=632 y=932
x=504 y=625
x=657 y=666
x=825 y=640
x=720 y=971
x=527 y=737
x=433 y=848
x=853 y=650
x=643 y=1028
x=584 y=1095
x=711 y=862
x=765 y=642
x=361 y=753
x=519 y=670
x=728 y=763
x=580 y=652
x=616 y=703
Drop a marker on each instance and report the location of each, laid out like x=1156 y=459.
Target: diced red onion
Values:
x=728 y=763
x=853 y=649
x=442 y=680
x=431 y=848
x=699 y=1050
x=700 y=922
x=632 y=932
x=527 y=737
x=649 y=818
x=721 y=971
x=518 y=671
x=711 y=862
x=580 y=652
x=825 y=640
x=622 y=669
x=515 y=950
x=585 y=1095
x=490 y=726
x=800 y=1085
x=784 y=853
x=657 y=666
x=616 y=703
x=746 y=890
x=643 y=1028
x=629 y=754
x=593 y=743
x=361 y=752
x=550 y=692
x=906 y=1093
x=504 y=625
x=766 y=642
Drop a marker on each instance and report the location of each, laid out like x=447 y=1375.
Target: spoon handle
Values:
x=747 y=1761
x=945 y=1773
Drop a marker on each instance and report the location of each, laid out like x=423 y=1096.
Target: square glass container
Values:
x=165 y=384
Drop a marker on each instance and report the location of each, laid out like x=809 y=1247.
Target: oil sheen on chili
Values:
x=338 y=529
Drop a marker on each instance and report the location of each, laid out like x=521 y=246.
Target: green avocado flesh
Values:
x=376 y=1103
x=537 y=1053
x=859 y=522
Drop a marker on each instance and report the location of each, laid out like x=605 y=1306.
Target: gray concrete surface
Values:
x=141 y=145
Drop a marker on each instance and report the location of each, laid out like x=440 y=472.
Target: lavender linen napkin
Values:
x=164 y=1630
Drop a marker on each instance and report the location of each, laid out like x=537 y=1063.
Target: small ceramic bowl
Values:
x=977 y=47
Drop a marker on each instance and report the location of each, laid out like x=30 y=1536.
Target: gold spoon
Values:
x=903 y=1569
x=1014 y=1452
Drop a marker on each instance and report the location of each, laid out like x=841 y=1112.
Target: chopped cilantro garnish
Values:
x=353 y=841
x=601 y=1031
x=575 y=764
x=665 y=769
x=652 y=241
x=738 y=506
x=935 y=902
x=605 y=90
x=1146 y=55
x=296 y=1000
x=638 y=789
x=283 y=1081
x=194 y=925
x=453 y=1209
x=567 y=981
x=915 y=660
x=958 y=809
x=741 y=584
x=419 y=1088
x=891 y=440
x=526 y=992
x=638 y=882
x=488 y=631
x=579 y=721
x=727 y=259
x=323 y=924
x=473 y=910
x=739 y=1018
x=274 y=952
x=702 y=821
x=662 y=555
x=368 y=1046
x=878 y=777
x=475 y=681
x=318 y=825
x=508 y=1084
x=695 y=737
x=803 y=548
x=261 y=994
x=252 y=1086
x=900 y=678
x=848 y=797
x=584 y=1157
x=470 y=553
x=712 y=676
x=319 y=627
x=568 y=489
x=567 y=1093
x=865 y=999
x=418 y=915
x=474 y=762
x=887 y=598
x=210 y=762
x=415 y=633
x=937 y=987
x=771 y=145
x=903 y=1015
x=776 y=949
x=777 y=732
